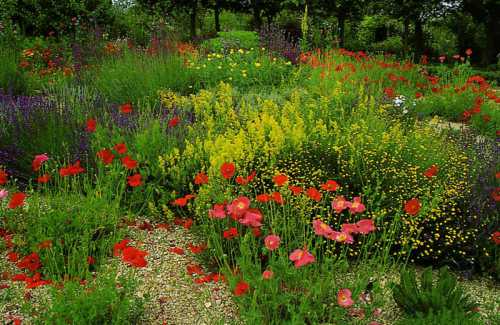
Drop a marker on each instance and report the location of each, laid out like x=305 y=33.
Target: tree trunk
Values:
x=341 y=19
x=419 y=39
x=217 y=16
x=193 y=19
x=257 y=19
x=406 y=32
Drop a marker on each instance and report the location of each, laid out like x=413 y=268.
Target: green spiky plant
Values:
x=430 y=296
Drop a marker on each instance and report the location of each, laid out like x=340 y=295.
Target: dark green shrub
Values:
x=235 y=39
x=430 y=295
x=448 y=317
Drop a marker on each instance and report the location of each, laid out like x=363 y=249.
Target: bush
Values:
x=232 y=40
x=431 y=296
x=448 y=317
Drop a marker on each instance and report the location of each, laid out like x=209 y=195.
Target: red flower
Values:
x=30 y=262
x=280 y=179
x=194 y=269
x=296 y=190
x=256 y=232
x=227 y=170
x=71 y=170
x=389 y=92
x=3 y=177
x=128 y=162
x=16 y=200
x=183 y=200
x=231 y=233
x=126 y=108
x=45 y=244
x=468 y=52
x=134 y=180
x=418 y=95
x=173 y=122
x=241 y=288
x=412 y=207
x=90 y=125
x=90 y=260
x=38 y=161
x=244 y=181
x=277 y=198
x=19 y=277
x=120 y=246
x=495 y=194
x=120 y=148
x=134 y=257
x=106 y=156
x=187 y=223
x=314 y=194
x=263 y=198
x=13 y=257
x=495 y=237
x=45 y=178
x=201 y=178
x=330 y=185
x=197 y=249
x=431 y=171
x=176 y=250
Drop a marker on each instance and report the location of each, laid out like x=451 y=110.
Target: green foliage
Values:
x=106 y=300
x=429 y=295
x=11 y=78
x=448 y=317
x=234 y=40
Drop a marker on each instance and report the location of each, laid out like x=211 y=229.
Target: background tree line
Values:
x=406 y=27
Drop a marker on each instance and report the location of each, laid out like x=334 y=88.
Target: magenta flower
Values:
x=252 y=218
x=218 y=211
x=365 y=226
x=321 y=228
x=3 y=194
x=342 y=237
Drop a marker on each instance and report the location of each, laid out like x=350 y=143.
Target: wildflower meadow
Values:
x=153 y=171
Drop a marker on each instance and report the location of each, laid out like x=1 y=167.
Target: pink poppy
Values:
x=356 y=206
x=267 y=274
x=252 y=218
x=341 y=237
x=349 y=228
x=217 y=212
x=365 y=226
x=239 y=206
x=321 y=228
x=339 y=204
x=272 y=242
x=344 y=298
x=38 y=161
x=301 y=257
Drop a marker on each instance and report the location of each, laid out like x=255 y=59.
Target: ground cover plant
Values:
x=307 y=176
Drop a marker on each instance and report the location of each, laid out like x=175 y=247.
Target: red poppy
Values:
x=37 y=162
x=90 y=125
x=134 y=257
x=134 y=180
x=245 y=180
x=389 y=92
x=176 y=250
x=163 y=226
x=126 y=108
x=412 y=207
x=45 y=178
x=3 y=177
x=263 y=198
x=241 y=288
x=19 y=277
x=278 y=198
x=256 y=232
x=486 y=118
x=418 y=95
x=13 y=257
x=201 y=178
x=120 y=246
x=495 y=194
x=497 y=175
x=227 y=170
x=173 y=122
x=194 y=269
x=431 y=171
x=314 y=194
x=280 y=179
x=330 y=185
x=106 y=156
x=468 y=52
x=296 y=190
x=30 y=262
x=120 y=148
x=16 y=200
x=128 y=162
x=90 y=260
x=495 y=237
x=71 y=170
x=197 y=249
x=187 y=223
x=231 y=233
